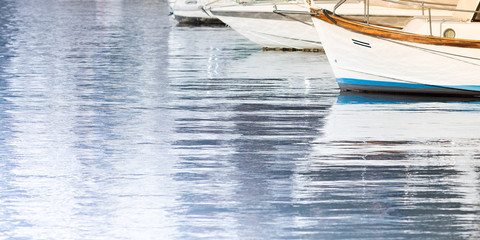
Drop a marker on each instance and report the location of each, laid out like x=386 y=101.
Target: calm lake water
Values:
x=118 y=123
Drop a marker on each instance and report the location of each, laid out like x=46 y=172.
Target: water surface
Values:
x=118 y=123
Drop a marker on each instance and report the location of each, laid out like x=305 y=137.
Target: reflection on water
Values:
x=407 y=166
x=432 y=123
x=80 y=116
x=117 y=123
x=241 y=132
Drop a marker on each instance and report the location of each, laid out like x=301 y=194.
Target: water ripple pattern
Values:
x=116 y=122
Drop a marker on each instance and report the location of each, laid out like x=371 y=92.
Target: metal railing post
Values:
x=368 y=11
x=430 y=20
x=364 y=12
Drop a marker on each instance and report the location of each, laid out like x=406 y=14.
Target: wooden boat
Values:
x=429 y=55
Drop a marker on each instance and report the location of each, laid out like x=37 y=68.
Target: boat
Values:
x=427 y=55
x=193 y=11
x=288 y=25
x=265 y=24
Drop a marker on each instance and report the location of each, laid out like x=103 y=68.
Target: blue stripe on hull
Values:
x=381 y=86
x=381 y=83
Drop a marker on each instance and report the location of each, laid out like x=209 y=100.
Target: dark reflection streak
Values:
x=378 y=98
x=271 y=138
x=258 y=160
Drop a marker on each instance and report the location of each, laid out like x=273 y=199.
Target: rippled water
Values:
x=117 y=123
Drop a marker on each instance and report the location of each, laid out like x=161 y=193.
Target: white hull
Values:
x=261 y=25
x=367 y=63
x=192 y=11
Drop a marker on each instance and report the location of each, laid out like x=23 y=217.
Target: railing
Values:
x=434 y=5
x=422 y=4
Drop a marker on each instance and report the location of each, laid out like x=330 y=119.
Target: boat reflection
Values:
x=399 y=121
x=237 y=149
x=395 y=162
x=243 y=120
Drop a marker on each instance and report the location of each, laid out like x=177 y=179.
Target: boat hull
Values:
x=261 y=25
x=192 y=12
x=363 y=62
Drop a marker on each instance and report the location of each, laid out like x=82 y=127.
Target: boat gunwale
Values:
x=381 y=31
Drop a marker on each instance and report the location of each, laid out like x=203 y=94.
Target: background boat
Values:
x=262 y=24
x=193 y=11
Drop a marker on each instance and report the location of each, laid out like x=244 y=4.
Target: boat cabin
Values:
x=459 y=25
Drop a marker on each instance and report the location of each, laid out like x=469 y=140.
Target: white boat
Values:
x=194 y=11
x=262 y=24
x=428 y=55
x=288 y=25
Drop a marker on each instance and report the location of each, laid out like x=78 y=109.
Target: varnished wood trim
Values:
x=329 y=17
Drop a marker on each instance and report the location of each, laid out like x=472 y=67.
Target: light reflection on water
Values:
x=116 y=123
x=412 y=162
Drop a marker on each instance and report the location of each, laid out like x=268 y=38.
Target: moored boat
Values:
x=193 y=11
x=264 y=24
x=428 y=55
x=288 y=25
